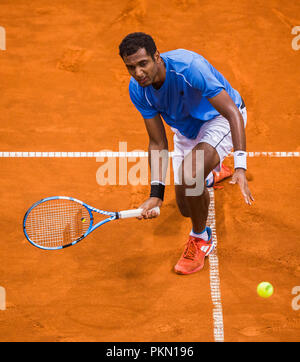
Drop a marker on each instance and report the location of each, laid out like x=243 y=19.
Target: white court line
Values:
x=214 y=274
x=17 y=154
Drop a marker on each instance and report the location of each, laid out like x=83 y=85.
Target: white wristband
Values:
x=157 y=183
x=240 y=159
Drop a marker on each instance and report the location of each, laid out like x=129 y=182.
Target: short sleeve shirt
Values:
x=182 y=100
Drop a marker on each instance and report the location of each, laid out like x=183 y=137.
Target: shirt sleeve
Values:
x=138 y=98
x=202 y=78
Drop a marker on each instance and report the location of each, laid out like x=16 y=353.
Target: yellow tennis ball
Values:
x=265 y=289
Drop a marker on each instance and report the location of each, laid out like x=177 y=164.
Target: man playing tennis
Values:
x=208 y=118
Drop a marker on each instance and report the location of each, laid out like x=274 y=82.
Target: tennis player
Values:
x=207 y=117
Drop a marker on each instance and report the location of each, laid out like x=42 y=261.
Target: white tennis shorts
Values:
x=215 y=132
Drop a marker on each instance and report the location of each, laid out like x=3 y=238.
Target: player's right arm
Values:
x=158 y=145
x=158 y=160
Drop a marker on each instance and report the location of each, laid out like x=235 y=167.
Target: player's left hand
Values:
x=239 y=177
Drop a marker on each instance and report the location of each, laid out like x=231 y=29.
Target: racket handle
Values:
x=135 y=212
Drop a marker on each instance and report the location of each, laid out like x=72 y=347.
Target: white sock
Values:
x=209 y=180
x=203 y=235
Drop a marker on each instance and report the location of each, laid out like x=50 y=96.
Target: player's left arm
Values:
x=227 y=108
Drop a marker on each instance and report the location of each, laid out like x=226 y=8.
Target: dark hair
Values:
x=135 y=41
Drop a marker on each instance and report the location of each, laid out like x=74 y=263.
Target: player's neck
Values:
x=161 y=75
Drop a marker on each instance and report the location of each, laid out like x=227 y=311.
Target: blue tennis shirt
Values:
x=182 y=100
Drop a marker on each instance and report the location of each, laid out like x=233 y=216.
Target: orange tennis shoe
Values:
x=192 y=259
x=225 y=172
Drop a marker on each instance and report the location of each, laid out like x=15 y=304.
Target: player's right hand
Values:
x=147 y=206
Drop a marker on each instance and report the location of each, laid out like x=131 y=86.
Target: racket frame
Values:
x=112 y=216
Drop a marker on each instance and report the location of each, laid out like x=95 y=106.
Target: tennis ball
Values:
x=265 y=289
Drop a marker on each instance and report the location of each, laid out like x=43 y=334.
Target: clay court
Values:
x=64 y=93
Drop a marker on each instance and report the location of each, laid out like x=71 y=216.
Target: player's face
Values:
x=142 y=67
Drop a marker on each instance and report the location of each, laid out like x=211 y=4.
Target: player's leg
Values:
x=214 y=139
x=196 y=205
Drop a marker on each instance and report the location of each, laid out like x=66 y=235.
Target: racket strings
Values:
x=57 y=223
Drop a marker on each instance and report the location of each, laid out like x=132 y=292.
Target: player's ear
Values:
x=157 y=56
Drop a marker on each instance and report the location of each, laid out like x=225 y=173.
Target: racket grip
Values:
x=135 y=213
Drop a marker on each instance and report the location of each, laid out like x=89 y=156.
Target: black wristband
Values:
x=157 y=190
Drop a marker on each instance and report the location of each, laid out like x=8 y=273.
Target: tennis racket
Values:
x=57 y=222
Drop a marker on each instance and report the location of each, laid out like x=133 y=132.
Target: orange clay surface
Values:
x=64 y=88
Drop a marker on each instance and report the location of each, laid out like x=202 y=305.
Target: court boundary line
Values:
x=215 y=287
x=101 y=154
